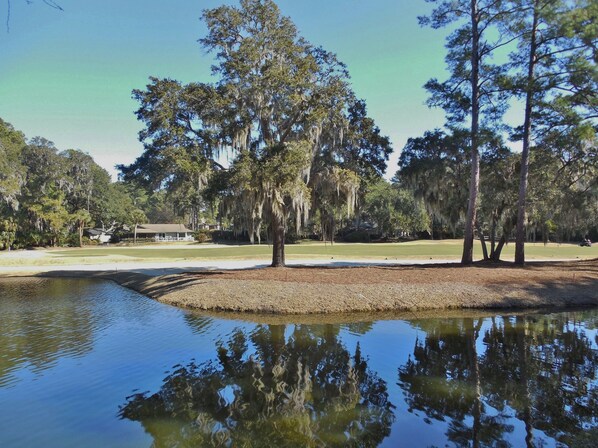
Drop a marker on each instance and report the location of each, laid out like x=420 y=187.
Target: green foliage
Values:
x=202 y=236
x=50 y=213
x=563 y=191
x=435 y=168
x=554 y=69
x=8 y=233
x=47 y=196
x=358 y=236
x=471 y=88
x=472 y=91
x=12 y=171
x=394 y=210
x=286 y=94
x=285 y=110
x=179 y=140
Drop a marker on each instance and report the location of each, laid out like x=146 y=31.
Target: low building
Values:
x=100 y=235
x=165 y=232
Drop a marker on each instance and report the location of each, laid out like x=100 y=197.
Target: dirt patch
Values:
x=478 y=274
x=314 y=290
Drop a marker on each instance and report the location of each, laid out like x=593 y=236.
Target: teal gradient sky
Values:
x=68 y=75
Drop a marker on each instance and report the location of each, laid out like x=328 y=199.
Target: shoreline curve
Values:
x=321 y=290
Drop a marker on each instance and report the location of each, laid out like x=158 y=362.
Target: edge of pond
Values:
x=446 y=291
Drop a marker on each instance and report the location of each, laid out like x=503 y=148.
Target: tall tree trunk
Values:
x=80 y=234
x=474 y=183
x=493 y=237
x=278 y=231
x=496 y=254
x=527 y=130
x=482 y=240
x=332 y=230
x=135 y=235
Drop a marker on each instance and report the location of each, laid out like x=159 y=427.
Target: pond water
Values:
x=88 y=363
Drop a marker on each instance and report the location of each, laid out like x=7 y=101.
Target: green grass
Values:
x=416 y=250
x=448 y=249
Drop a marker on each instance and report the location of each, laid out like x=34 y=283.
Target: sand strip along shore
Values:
x=321 y=290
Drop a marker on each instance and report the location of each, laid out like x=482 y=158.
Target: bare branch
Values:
x=51 y=3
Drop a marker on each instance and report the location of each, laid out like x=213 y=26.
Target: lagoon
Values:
x=88 y=363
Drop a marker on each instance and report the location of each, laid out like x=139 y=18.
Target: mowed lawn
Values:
x=417 y=250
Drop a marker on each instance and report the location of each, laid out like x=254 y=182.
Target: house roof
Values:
x=96 y=232
x=162 y=228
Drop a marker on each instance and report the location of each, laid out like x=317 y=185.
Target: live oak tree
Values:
x=181 y=144
x=284 y=96
x=284 y=110
x=44 y=214
x=394 y=209
x=434 y=168
x=562 y=198
x=343 y=168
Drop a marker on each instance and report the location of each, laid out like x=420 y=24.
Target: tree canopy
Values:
x=301 y=141
x=47 y=196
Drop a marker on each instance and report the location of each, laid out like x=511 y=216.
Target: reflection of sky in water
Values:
x=98 y=343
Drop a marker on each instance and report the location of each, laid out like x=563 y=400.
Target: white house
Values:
x=165 y=232
x=101 y=235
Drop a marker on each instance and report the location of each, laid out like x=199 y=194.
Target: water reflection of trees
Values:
x=266 y=389
x=198 y=323
x=41 y=321
x=538 y=370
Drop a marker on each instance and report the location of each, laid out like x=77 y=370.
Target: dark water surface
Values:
x=87 y=363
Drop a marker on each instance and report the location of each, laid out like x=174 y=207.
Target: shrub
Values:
x=71 y=240
x=291 y=238
x=359 y=236
x=224 y=235
x=203 y=236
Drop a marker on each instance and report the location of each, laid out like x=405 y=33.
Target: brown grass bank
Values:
x=314 y=290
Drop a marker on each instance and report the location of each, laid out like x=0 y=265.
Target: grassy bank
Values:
x=318 y=290
x=417 y=250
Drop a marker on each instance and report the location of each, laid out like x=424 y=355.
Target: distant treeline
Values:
x=47 y=196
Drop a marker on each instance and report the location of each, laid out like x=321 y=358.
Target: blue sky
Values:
x=68 y=75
